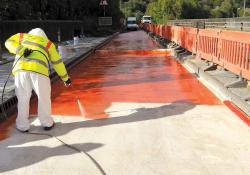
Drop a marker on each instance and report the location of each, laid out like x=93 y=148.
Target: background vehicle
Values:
x=132 y=23
x=146 y=19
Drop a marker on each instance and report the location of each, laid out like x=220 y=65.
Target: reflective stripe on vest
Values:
x=20 y=38
x=56 y=62
x=53 y=62
x=11 y=40
x=18 y=49
x=48 y=44
x=38 y=45
x=35 y=60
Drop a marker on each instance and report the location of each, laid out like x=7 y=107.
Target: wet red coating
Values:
x=128 y=69
x=5 y=126
x=137 y=76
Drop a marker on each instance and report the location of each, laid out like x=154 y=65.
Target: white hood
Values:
x=38 y=32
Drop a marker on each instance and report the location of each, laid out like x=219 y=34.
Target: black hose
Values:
x=2 y=105
x=24 y=54
x=73 y=148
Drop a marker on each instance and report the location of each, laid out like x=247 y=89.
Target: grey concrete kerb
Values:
x=214 y=85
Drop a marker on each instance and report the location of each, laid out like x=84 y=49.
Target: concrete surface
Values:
x=173 y=139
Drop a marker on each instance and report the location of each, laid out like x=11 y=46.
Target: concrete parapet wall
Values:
x=52 y=28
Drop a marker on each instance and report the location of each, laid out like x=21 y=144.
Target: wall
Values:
x=51 y=28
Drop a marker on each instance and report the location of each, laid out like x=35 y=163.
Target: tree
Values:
x=162 y=10
x=134 y=8
x=55 y=9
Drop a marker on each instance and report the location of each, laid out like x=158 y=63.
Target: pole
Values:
x=126 y=9
x=1 y=45
x=41 y=9
x=244 y=8
x=1 y=53
x=59 y=34
x=104 y=10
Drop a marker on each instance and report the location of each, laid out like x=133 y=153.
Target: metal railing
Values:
x=239 y=24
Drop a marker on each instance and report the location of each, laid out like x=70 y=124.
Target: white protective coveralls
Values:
x=25 y=81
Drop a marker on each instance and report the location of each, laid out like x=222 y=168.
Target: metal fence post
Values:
x=1 y=51
x=82 y=30
x=59 y=35
x=1 y=58
x=241 y=27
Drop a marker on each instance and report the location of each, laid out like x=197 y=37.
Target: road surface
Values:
x=133 y=109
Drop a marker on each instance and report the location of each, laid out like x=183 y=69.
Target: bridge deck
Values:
x=135 y=110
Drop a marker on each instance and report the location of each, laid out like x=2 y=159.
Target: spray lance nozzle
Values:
x=27 y=52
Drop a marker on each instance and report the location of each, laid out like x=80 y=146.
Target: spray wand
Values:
x=76 y=97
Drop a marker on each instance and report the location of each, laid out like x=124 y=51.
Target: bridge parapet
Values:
x=228 y=49
x=239 y=23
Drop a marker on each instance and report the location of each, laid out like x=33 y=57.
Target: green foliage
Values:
x=160 y=10
x=135 y=8
x=56 y=9
x=10 y=9
x=163 y=10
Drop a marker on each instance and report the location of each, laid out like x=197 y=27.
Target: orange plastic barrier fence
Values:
x=190 y=39
x=176 y=34
x=208 y=45
x=152 y=29
x=166 y=32
x=229 y=49
x=160 y=30
x=234 y=51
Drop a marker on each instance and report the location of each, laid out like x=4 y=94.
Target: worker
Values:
x=33 y=52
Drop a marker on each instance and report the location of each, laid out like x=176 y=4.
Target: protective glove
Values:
x=67 y=83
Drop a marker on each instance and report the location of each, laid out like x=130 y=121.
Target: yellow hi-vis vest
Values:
x=36 y=61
